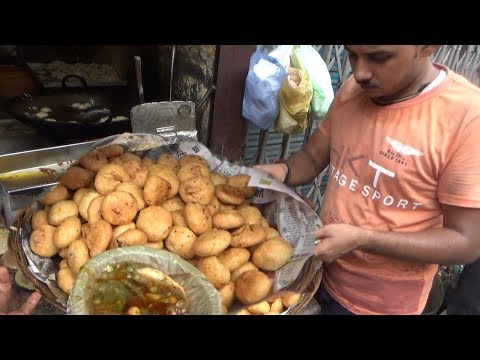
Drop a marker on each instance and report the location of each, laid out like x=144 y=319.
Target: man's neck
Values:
x=411 y=90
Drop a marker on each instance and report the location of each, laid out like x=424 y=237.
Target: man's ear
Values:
x=427 y=50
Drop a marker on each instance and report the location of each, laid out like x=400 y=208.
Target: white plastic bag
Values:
x=264 y=78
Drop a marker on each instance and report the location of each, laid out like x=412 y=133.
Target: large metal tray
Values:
x=47 y=81
x=24 y=175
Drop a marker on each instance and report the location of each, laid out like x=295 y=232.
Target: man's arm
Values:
x=457 y=243
x=306 y=163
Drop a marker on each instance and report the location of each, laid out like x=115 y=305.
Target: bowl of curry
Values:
x=139 y=280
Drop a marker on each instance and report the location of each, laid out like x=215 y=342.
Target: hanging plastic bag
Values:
x=294 y=99
x=323 y=94
x=260 y=100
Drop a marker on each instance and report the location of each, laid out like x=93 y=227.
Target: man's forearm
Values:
x=302 y=168
x=434 y=246
x=308 y=162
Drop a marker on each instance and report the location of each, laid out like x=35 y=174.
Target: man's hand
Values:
x=334 y=240
x=6 y=292
x=278 y=171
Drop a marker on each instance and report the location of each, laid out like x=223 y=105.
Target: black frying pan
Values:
x=71 y=115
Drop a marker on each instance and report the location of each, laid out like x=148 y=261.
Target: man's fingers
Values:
x=5 y=288
x=29 y=306
x=320 y=233
x=4 y=276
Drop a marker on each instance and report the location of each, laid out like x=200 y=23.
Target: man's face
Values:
x=384 y=70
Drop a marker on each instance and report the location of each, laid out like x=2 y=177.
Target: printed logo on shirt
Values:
x=342 y=160
x=402 y=148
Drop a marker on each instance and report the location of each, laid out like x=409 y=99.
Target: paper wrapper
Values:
x=280 y=205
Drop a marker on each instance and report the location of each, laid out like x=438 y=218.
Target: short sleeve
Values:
x=324 y=125
x=459 y=183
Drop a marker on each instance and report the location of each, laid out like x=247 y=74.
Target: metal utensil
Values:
x=166 y=118
x=138 y=73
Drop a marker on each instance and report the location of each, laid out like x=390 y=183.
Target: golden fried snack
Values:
x=291 y=299
x=76 y=177
x=276 y=306
x=226 y=207
x=77 y=255
x=170 y=161
x=39 y=218
x=147 y=161
x=65 y=280
x=63 y=254
x=85 y=231
x=167 y=174
x=211 y=243
x=240 y=230
x=133 y=189
x=109 y=177
x=116 y=161
x=264 y=222
x=229 y=195
x=261 y=308
x=233 y=258
x=173 y=204
x=77 y=197
x=112 y=150
x=180 y=241
x=215 y=271
x=178 y=219
x=272 y=254
x=192 y=170
x=157 y=167
x=251 y=214
x=245 y=267
x=218 y=178
x=228 y=219
x=271 y=233
x=94 y=212
x=156 y=190
x=252 y=235
x=214 y=205
x=119 y=208
x=64 y=262
x=85 y=203
x=243 y=311
x=119 y=230
x=252 y=286
x=155 y=245
x=61 y=210
x=192 y=159
x=41 y=241
x=128 y=156
x=198 y=218
x=67 y=231
x=94 y=160
x=131 y=237
x=240 y=181
x=197 y=189
x=156 y=222
x=54 y=195
x=99 y=238
x=137 y=172
x=227 y=294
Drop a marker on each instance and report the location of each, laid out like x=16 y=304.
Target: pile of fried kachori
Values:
x=113 y=198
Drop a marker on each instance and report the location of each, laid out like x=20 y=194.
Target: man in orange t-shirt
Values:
x=402 y=137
